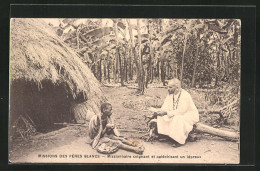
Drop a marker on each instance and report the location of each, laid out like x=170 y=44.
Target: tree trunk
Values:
x=108 y=71
x=125 y=69
x=183 y=54
x=176 y=72
x=141 y=73
x=130 y=70
x=114 y=71
x=130 y=64
x=228 y=65
x=118 y=53
x=157 y=69
x=105 y=69
x=148 y=71
x=93 y=69
x=99 y=54
x=152 y=74
x=132 y=48
x=117 y=67
x=95 y=72
x=218 y=66
x=148 y=78
x=210 y=72
x=126 y=57
x=195 y=63
x=77 y=34
x=220 y=133
x=168 y=70
x=100 y=70
x=230 y=62
x=120 y=68
x=163 y=72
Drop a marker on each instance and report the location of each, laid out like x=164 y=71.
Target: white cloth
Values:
x=178 y=122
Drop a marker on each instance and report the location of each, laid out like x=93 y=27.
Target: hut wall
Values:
x=45 y=105
x=84 y=111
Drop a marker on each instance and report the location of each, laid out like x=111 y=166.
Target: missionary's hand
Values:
x=111 y=126
x=161 y=113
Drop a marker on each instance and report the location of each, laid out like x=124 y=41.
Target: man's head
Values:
x=174 y=86
x=106 y=109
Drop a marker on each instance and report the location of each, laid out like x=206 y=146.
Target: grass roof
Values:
x=37 y=54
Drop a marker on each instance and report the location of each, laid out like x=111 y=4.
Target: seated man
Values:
x=102 y=131
x=178 y=113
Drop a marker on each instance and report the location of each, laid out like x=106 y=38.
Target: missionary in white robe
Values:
x=181 y=115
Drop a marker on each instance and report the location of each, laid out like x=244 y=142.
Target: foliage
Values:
x=200 y=52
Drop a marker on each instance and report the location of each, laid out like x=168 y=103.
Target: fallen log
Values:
x=233 y=136
x=199 y=127
x=223 y=112
x=219 y=112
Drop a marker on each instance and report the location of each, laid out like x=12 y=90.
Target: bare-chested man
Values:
x=109 y=133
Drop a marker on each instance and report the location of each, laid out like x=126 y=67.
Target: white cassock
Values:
x=180 y=118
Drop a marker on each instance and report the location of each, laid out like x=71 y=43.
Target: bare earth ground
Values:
x=71 y=144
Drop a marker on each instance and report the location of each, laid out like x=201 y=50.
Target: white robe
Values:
x=178 y=122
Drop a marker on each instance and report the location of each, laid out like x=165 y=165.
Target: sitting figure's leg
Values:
x=161 y=137
x=192 y=136
x=175 y=144
x=124 y=141
x=108 y=146
x=152 y=130
x=138 y=150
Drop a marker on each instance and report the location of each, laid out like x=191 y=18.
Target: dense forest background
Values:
x=203 y=53
x=200 y=52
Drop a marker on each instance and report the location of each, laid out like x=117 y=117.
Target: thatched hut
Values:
x=48 y=81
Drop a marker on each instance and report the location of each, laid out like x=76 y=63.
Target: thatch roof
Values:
x=37 y=54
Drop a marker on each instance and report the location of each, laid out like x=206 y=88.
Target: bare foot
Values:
x=192 y=138
x=176 y=145
x=140 y=149
x=163 y=139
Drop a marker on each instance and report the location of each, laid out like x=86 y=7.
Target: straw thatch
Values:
x=39 y=58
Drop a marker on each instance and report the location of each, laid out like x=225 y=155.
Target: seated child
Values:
x=102 y=130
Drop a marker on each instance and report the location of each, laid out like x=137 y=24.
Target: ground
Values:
x=71 y=143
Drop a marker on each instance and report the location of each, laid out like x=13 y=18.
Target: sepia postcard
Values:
x=125 y=90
